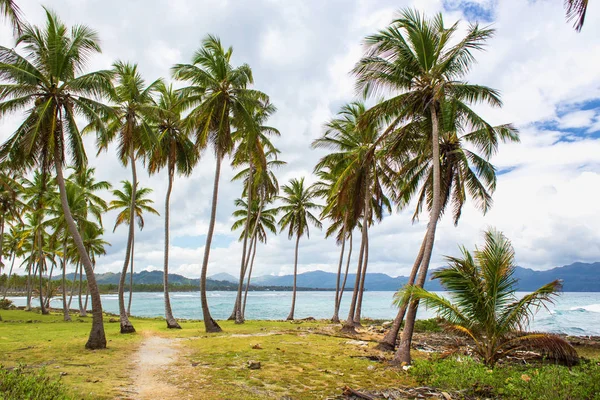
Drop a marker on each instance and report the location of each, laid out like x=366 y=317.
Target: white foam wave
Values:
x=591 y=308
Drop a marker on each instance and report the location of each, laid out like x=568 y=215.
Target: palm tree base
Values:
x=348 y=328
x=335 y=319
x=211 y=326
x=385 y=346
x=127 y=328
x=290 y=318
x=173 y=325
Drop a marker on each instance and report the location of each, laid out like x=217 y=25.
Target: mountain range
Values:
x=576 y=277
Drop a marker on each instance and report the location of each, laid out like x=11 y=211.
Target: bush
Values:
x=20 y=384
x=429 y=325
x=511 y=381
x=6 y=304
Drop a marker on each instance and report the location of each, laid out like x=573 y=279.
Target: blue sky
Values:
x=301 y=53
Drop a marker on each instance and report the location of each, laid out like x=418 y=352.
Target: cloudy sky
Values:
x=301 y=53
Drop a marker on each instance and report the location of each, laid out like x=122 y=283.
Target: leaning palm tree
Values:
x=422 y=64
x=135 y=137
x=124 y=199
x=47 y=83
x=219 y=94
x=297 y=216
x=176 y=152
x=11 y=11
x=484 y=306
x=576 y=10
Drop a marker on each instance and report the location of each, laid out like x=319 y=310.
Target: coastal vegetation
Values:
x=423 y=145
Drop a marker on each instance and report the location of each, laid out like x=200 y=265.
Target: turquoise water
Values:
x=572 y=313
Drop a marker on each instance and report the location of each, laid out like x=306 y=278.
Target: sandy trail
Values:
x=150 y=376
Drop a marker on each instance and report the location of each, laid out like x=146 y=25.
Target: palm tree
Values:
x=130 y=127
x=46 y=83
x=13 y=244
x=124 y=199
x=466 y=172
x=178 y=153
x=11 y=11
x=297 y=206
x=485 y=307
x=219 y=93
x=358 y=173
x=253 y=149
x=417 y=59
x=263 y=220
x=576 y=10
x=10 y=204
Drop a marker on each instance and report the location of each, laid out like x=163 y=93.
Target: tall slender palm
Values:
x=124 y=200
x=253 y=147
x=11 y=11
x=465 y=171
x=576 y=10
x=263 y=220
x=358 y=189
x=13 y=245
x=484 y=306
x=131 y=129
x=297 y=216
x=176 y=152
x=219 y=94
x=10 y=203
x=47 y=83
x=419 y=61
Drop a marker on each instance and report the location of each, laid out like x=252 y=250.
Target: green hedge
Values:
x=20 y=384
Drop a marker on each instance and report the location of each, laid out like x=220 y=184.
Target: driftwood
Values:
x=348 y=391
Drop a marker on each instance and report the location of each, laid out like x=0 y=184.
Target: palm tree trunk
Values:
x=97 y=338
x=403 y=353
x=388 y=343
x=66 y=315
x=209 y=323
x=49 y=286
x=87 y=289
x=349 y=324
x=126 y=326
x=77 y=267
x=336 y=317
x=171 y=322
x=1 y=241
x=131 y=279
x=30 y=283
x=12 y=264
x=239 y=318
x=82 y=310
x=361 y=290
x=339 y=303
x=41 y=285
x=290 y=317
x=253 y=246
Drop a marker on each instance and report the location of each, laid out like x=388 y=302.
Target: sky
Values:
x=301 y=53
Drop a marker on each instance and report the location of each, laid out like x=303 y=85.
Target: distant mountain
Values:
x=224 y=276
x=577 y=277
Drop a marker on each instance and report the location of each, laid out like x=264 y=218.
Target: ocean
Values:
x=572 y=313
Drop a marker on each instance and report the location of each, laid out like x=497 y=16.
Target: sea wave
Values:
x=595 y=308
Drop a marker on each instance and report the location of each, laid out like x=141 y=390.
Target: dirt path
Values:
x=151 y=372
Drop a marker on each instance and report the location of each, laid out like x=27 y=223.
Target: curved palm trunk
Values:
x=66 y=315
x=49 y=286
x=82 y=310
x=87 y=289
x=339 y=303
x=336 y=317
x=388 y=343
x=209 y=323
x=126 y=326
x=97 y=338
x=12 y=264
x=349 y=324
x=238 y=316
x=291 y=315
x=361 y=290
x=131 y=279
x=403 y=353
x=171 y=322
x=253 y=245
x=41 y=284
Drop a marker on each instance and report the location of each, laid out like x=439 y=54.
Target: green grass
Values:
x=303 y=360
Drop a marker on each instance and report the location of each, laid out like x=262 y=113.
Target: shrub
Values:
x=511 y=381
x=6 y=304
x=21 y=384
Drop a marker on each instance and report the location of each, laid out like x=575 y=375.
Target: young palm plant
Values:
x=219 y=94
x=124 y=199
x=176 y=152
x=47 y=83
x=484 y=307
x=297 y=216
x=421 y=62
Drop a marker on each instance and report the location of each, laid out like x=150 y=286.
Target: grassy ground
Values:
x=302 y=360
